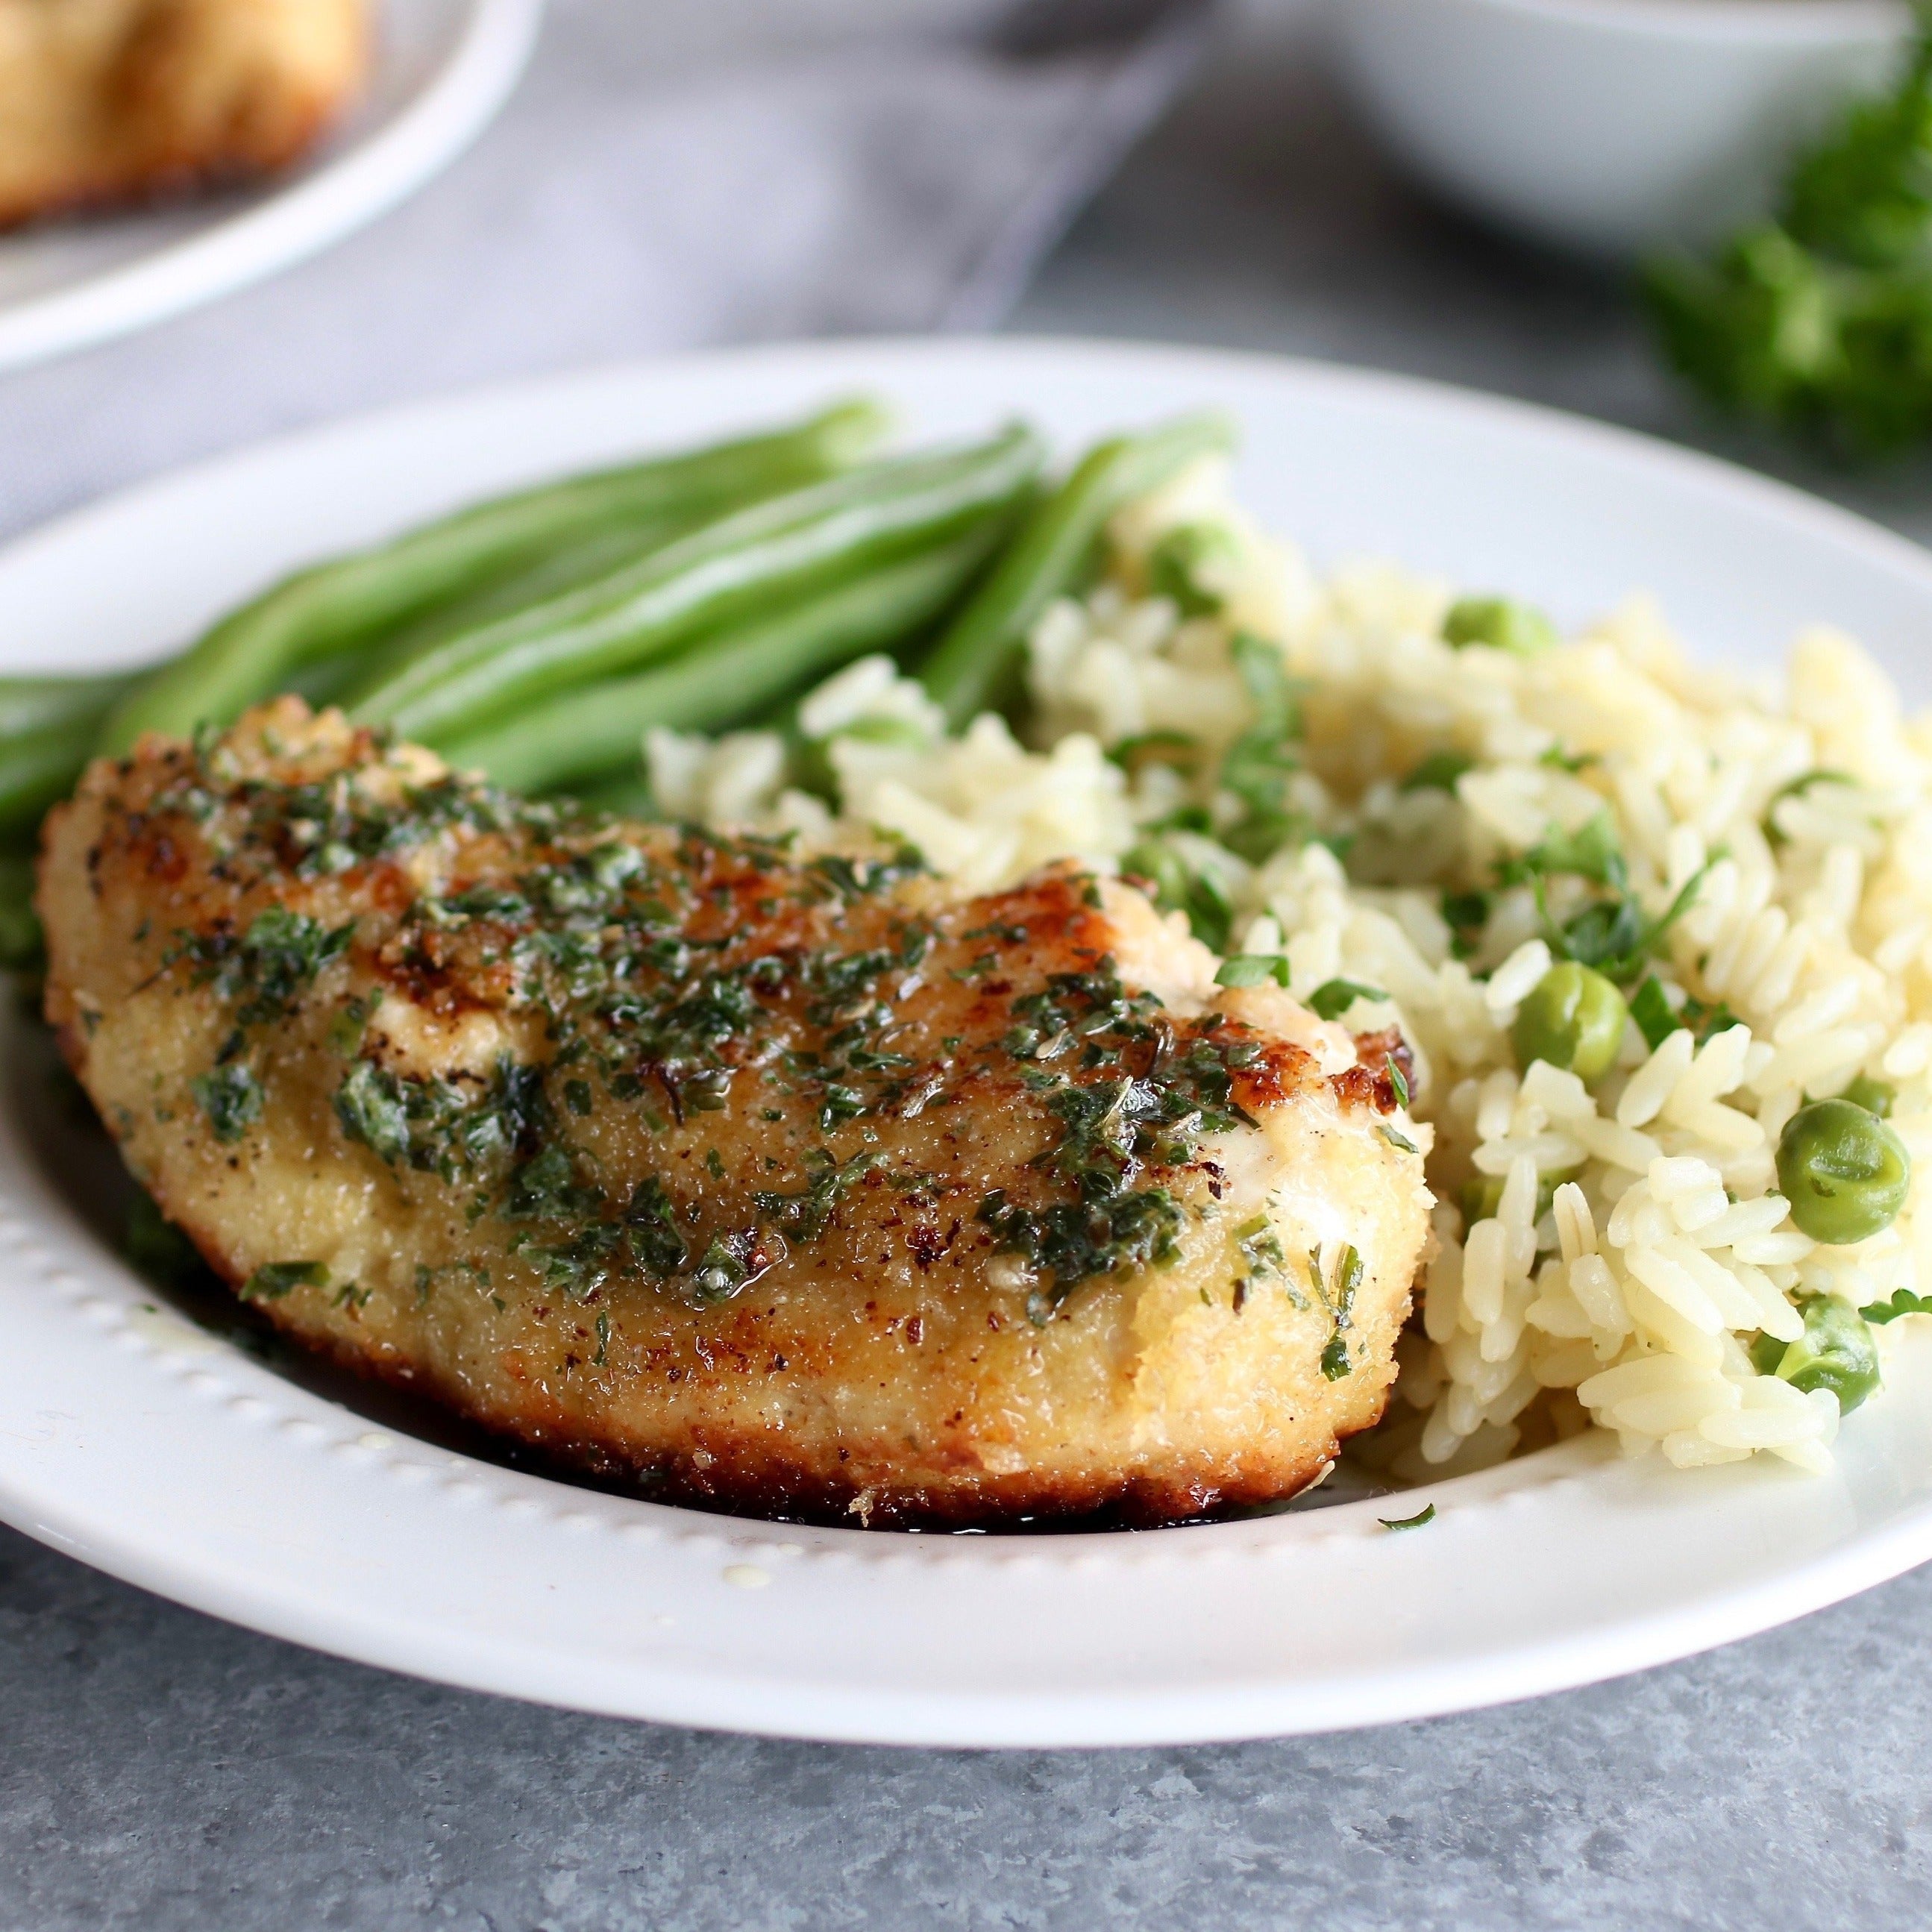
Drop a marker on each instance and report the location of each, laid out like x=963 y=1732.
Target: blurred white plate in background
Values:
x=441 y=69
x=169 y=1456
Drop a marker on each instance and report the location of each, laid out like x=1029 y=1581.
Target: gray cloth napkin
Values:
x=671 y=172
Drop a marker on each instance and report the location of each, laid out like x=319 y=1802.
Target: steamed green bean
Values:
x=341 y=605
x=38 y=769
x=743 y=566
x=589 y=732
x=34 y=704
x=972 y=665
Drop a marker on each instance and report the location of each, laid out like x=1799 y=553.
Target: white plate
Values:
x=141 y=1445
x=443 y=68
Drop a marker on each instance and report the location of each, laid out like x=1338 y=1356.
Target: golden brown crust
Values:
x=795 y=1188
x=103 y=101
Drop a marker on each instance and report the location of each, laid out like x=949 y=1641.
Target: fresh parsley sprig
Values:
x=1820 y=321
x=1612 y=934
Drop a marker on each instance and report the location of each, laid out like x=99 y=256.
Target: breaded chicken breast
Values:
x=104 y=100
x=799 y=1185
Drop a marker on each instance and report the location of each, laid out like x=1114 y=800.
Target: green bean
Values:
x=346 y=603
x=1572 y=1018
x=20 y=950
x=1844 y=1171
x=743 y=566
x=593 y=730
x=39 y=769
x=34 y=704
x=972 y=665
x=581 y=560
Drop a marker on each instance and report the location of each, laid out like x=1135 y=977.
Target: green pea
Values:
x=1163 y=868
x=1876 y=1097
x=1175 y=565
x=1501 y=623
x=1178 y=887
x=1844 y=1171
x=1834 y=1352
x=1483 y=1194
x=1574 y=1018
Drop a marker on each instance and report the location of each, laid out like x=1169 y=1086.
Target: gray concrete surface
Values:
x=160 y=1771
x=164 y=1773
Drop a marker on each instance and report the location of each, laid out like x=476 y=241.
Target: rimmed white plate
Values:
x=140 y=1442
x=442 y=69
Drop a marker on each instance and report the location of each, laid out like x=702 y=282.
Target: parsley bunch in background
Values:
x=1821 y=321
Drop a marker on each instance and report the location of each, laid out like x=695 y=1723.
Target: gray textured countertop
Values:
x=162 y=1770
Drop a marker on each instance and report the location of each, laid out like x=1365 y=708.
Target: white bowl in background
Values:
x=1607 y=127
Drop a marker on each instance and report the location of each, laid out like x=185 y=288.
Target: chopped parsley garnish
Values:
x=1439 y=772
x=858 y=878
x=1341 y=1305
x=274 y=962
x=1258 y=766
x=1903 y=1302
x=274 y=1279
x=1796 y=788
x=1705 y=1019
x=231 y=1097
x=1426 y=1514
x=1559 y=760
x=1465 y=914
x=806 y=1212
x=1611 y=933
x=369 y=1105
x=1075 y=1241
x=651 y=1225
x=1134 y=1095
x=576 y=1260
x=1591 y=852
x=284 y=951
x=546 y=1188
x=1175 y=566
x=1260 y=1247
x=1156 y=748
x=1656 y=1019
x=443 y=1127
x=1334 y=997
x=1251 y=969
x=722 y=1272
